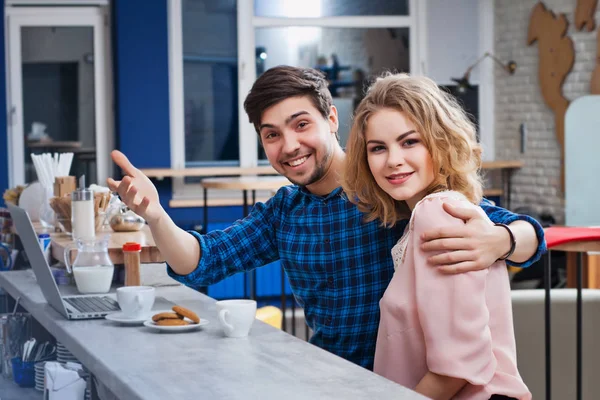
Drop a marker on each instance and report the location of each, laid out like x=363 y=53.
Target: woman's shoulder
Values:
x=430 y=210
x=437 y=199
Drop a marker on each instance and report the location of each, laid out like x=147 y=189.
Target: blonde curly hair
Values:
x=445 y=129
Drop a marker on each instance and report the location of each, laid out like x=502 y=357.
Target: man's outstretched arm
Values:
x=179 y=248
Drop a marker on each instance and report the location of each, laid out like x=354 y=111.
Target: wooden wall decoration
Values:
x=584 y=14
x=556 y=58
x=595 y=81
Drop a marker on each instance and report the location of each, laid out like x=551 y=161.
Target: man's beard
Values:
x=318 y=173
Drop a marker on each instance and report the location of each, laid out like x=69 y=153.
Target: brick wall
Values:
x=519 y=100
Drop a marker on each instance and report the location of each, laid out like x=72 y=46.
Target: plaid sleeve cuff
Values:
x=197 y=277
x=539 y=232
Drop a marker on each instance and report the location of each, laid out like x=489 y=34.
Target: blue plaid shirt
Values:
x=338 y=265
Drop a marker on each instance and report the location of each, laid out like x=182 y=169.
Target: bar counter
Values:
x=138 y=363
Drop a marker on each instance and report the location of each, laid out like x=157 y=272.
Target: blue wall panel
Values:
x=142 y=81
x=3 y=131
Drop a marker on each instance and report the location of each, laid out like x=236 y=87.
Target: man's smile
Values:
x=296 y=162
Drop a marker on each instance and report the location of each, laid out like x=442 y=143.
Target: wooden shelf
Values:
x=506 y=164
x=215 y=202
x=493 y=192
x=51 y=144
x=272 y=183
x=161 y=173
x=183 y=203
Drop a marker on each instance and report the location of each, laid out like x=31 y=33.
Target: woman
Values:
x=412 y=149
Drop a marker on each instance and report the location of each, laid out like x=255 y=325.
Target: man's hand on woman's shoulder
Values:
x=470 y=247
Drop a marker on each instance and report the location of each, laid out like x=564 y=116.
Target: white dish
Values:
x=120 y=318
x=178 y=328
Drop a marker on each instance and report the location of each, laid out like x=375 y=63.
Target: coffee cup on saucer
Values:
x=135 y=301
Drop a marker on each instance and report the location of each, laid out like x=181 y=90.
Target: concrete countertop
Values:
x=138 y=363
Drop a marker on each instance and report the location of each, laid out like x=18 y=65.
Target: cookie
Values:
x=184 y=312
x=166 y=315
x=171 y=322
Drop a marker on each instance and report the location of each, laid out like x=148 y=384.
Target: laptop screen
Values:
x=38 y=261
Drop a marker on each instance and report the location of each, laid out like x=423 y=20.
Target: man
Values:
x=338 y=265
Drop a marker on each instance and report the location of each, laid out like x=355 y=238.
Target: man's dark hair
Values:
x=282 y=82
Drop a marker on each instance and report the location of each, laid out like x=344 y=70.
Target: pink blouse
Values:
x=454 y=325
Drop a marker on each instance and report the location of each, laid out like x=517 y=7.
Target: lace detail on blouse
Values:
x=399 y=250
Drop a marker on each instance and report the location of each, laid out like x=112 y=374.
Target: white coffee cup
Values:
x=236 y=316
x=135 y=301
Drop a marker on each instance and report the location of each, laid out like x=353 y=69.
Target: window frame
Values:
x=247 y=22
x=487 y=93
x=95 y=15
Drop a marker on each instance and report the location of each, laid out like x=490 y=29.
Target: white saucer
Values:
x=180 y=328
x=120 y=318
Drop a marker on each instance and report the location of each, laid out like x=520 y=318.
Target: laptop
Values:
x=72 y=307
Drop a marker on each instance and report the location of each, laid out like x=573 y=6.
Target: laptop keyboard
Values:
x=93 y=304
